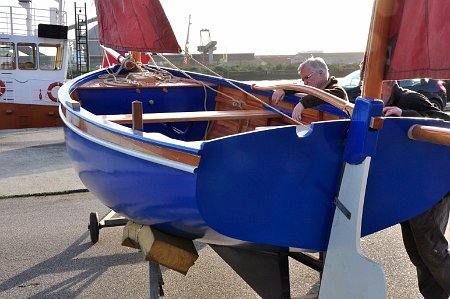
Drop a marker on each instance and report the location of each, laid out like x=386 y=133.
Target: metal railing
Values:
x=16 y=20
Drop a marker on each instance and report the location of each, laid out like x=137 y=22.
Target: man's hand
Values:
x=392 y=111
x=297 y=112
x=278 y=95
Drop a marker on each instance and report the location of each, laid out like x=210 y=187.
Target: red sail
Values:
x=418 y=45
x=135 y=25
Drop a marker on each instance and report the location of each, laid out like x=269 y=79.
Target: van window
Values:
x=7 y=56
x=27 y=56
x=50 y=56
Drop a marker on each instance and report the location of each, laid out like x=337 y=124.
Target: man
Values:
x=313 y=72
x=403 y=102
x=423 y=235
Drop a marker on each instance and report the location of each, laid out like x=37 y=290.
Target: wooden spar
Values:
x=430 y=134
x=375 y=61
x=329 y=98
x=377 y=49
x=113 y=53
x=129 y=64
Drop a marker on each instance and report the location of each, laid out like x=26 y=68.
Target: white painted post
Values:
x=348 y=273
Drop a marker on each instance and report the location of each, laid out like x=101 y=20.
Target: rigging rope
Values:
x=111 y=78
x=187 y=75
x=232 y=84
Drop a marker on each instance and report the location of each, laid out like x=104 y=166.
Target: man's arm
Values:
x=310 y=101
x=414 y=104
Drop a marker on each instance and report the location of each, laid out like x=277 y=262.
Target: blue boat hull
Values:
x=274 y=186
x=148 y=193
x=283 y=191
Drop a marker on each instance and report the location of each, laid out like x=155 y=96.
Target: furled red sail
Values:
x=135 y=25
x=418 y=45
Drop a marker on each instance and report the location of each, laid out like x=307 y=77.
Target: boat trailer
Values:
x=248 y=261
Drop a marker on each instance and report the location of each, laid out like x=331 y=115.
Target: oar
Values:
x=327 y=97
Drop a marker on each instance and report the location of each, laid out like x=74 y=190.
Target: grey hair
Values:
x=315 y=64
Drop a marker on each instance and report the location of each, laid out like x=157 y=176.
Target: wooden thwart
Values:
x=193 y=116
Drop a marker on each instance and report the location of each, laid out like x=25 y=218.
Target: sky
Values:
x=281 y=27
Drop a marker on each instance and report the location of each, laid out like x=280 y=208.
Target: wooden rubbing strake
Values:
x=193 y=116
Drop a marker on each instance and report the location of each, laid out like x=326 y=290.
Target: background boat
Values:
x=33 y=65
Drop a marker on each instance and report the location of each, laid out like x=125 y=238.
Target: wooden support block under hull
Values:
x=173 y=252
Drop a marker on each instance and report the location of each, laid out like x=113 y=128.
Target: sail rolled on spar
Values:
x=135 y=25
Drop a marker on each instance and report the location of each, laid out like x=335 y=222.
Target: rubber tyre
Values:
x=438 y=103
x=94 y=227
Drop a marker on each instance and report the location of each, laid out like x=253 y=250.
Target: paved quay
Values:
x=45 y=249
x=35 y=161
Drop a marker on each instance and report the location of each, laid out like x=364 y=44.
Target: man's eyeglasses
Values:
x=307 y=77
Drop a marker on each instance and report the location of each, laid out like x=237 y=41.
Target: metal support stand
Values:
x=155 y=281
x=347 y=272
x=308 y=260
x=155 y=278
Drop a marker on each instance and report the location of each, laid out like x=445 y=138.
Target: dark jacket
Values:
x=414 y=104
x=332 y=87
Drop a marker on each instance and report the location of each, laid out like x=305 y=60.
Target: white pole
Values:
x=27 y=6
x=347 y=272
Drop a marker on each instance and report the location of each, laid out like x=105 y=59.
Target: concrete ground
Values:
x=35 y=161
x=45 y=249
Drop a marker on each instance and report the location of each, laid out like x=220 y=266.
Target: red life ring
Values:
x=49 y=91
x=2 y=88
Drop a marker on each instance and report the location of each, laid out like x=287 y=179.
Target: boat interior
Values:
x=185 y=108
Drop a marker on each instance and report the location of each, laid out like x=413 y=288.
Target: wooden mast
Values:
x=377 y=48
x=376 y=53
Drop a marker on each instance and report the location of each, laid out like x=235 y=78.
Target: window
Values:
x=27 y=56
x=409 y=83
x=351 y=80
x=7 y=56
x=50 y=56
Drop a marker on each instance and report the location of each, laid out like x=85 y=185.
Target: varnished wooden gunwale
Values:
x=235 y=112
x=131 y=143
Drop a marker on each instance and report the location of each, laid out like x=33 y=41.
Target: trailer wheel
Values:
x=94 y=227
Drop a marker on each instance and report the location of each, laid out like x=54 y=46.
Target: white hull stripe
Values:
x=127 y=151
